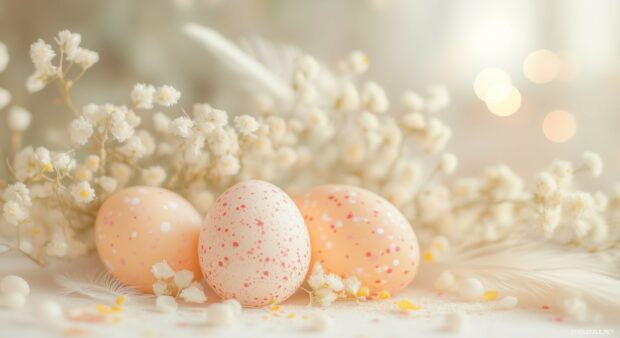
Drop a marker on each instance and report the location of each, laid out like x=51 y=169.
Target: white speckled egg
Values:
x=140 y=226
x=357 y=232
x=254 y=245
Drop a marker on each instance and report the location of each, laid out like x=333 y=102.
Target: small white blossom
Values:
x=578 y=203
x=193 y=294
x=68 y=42
x=308 y=66
x=160 y=288
x=325 y=296
x=448 y=163
x=374 y=98
x=227 y=165
x=5 y=99
x=121 y=172
x=63 y=162
x=19 y=119
x=41 y=55
x=368 y=121
x=35 y=82
x=161 y=122
x=413 y=121
x=83 y=192
x=14 y=213
x=545 y=184
x=166 y=304
x=592 y=163
x=84 y=57
x=142 y=95
x=17 y=192
x=162 y=270
x=181 y=127
x=80 y=130
x=121 y=129
x=349 y=99
x=133 y=148
x=43 y=159
x=246 y=124
x=92 y=162
x=285 y=157
x=352 y=285
x=334 y=282
x=438 y=99
x=154 y=176
x=167 y=96
x=357 y=62
x=183 y=278
x=108 y=184
x=412 y=101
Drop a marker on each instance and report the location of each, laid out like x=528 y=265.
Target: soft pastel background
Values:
x=411 y=44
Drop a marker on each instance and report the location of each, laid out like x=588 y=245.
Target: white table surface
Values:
x=370 y=319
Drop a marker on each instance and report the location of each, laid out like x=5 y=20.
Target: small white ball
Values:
x=14 y=284
x=455 y=322
x=508 y=302
x=166 y=304
x=12 y=300
x=322 y=322
x=220 y=315
x=445 y=281
x=471 y=289
x=49 y=309
x=234 y=305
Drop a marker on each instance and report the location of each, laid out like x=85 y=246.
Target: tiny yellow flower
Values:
x=120 y=300
x=292 y=315
x=407 y=305
x=103 y=309
x=384 y=294
x=490 y=295
x=428 y=256
x=364 y=291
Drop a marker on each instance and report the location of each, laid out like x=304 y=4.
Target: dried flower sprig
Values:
x=179 y=284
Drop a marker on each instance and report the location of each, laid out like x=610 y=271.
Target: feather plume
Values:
x=99 y=285
x=536 y=272
x=239 y=62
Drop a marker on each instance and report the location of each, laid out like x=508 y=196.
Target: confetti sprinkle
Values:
x=490 y=295
x=407 y=305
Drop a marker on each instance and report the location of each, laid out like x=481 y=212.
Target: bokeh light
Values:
x=559 y=126
x=503 y=99
x=542 y=66
x=488 y=78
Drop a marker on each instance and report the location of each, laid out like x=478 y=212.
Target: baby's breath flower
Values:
x=108 y=184
x=84 y=57
x=83 y=193
x=227 y=165
x=413 y=121
x=24 y=165
x=5 y=98
x=121 y=129
x=167 y=96
x=349 y=98
x=14 y=213
x=352 y=285
x=142 y=95
x=246 y=125
x=133 y=148
x=334 y=282
x=592 y=163
x=181 y=127
x=92 y=162
x=68 y=42
x=35 y=82
x=82 y=173
x=285 y=157
x=43 y=158
x=357 y=62
x=183 y=278
x=19 y=118
x=438 y=99
x=154 y=176
x=325 y=296
x=41 y=55
x=162 y=270
x=160 y=288
x=317 y=119
x=448 y=163
x=17 y=192
x=63 y=162
x=80 y=130
x=545 y=184
x=578 y=203
x=193 y=294
x=309 y=67
x=412 y=101
x=374 y=98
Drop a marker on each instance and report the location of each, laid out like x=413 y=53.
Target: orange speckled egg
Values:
x=254 y=245
x=356 y=232
x=141 y=226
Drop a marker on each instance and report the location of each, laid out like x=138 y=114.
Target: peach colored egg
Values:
x=140 y=226
x=356 y=232
x=254 y=245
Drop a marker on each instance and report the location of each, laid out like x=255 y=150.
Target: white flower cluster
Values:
x=325 y=288
x=179 y=284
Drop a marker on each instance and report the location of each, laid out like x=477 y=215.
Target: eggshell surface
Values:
x=357 y=232
x=141 y=226
x=254 y=245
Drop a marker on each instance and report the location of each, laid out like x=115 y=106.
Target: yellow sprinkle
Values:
x=103 y=309
x=120 y=300
x=384 y=294
x=275 y=308
x=490 y=295
x=364 y=291
x=427 y=255
x=47 y=167
x=407 y=305
x=117 y=308
x=291 y=315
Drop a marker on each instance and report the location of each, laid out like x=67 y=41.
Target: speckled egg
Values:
x=254 y=245
x=140 y=226
x=356 y=232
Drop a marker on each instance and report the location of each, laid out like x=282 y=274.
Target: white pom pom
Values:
x=220 y=315
x=445 y=281
x=234 y=305
x=12 y=300
x=507 y=302
x=455 y=322
x=322 y=322
x=471 y=289
x=166 y=304
x=49 y=309
x=16 y=284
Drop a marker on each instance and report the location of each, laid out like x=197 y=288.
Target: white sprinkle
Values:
x=326 y=217
x=444 y=281
x=329 y=245
x=322 y=322
x=134 y=201
x=235 y=305
x=165 y=227
x=507 y=302
x=166 y=304
x=395 y=262
x=471 y=289
x=173 y=205
x=49 y=309
x=455 y=322
x=380 y=231
x=16 y=284
x=12 y=300
x=220 y=315
x=134 y=234
x=338 y=224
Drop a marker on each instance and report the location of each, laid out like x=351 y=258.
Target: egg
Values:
x=254 y=245
x=355 y=232
x=141 y=226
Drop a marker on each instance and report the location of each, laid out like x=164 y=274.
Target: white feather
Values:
x=99 y=285
x=239 y=62
x=534 y=271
